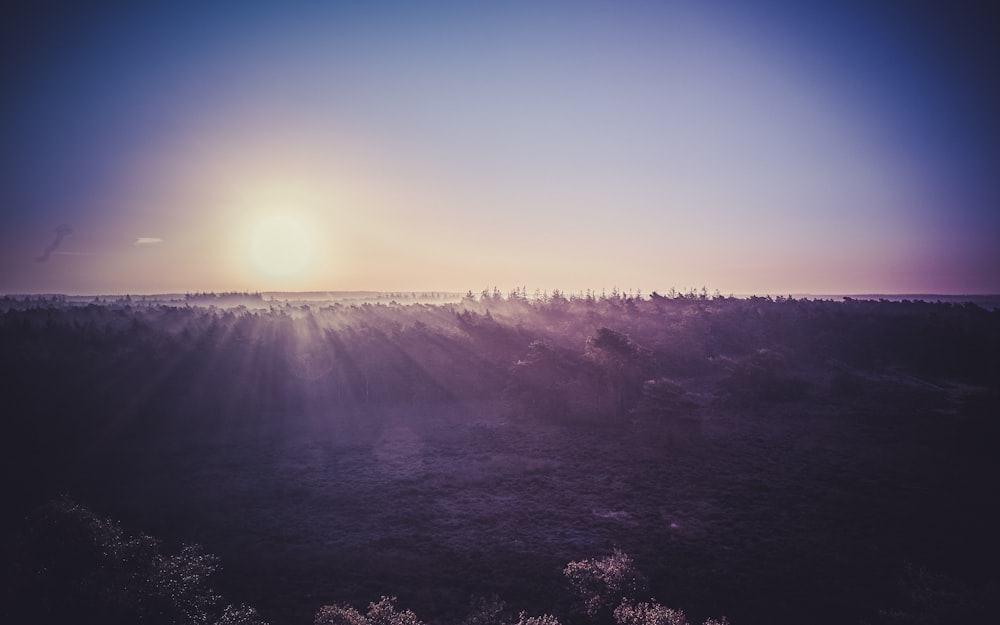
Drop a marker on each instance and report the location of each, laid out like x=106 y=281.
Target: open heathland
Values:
x=771 y=460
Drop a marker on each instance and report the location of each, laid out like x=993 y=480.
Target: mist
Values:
x=755 y=458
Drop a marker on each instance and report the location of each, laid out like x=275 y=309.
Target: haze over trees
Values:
x=758 y=458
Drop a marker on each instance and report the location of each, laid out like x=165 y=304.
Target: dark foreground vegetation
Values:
x=501 y=460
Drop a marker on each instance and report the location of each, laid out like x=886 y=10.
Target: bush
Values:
x=383 y=612
x=74 y=566
x=240 y=615
x=604 y=583
x=648 y=614
x=609 y=588
x=545 y=619
x=339 y=615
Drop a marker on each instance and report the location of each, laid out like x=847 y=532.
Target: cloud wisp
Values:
x=148 y=241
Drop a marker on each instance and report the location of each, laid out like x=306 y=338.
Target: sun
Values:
x=280 y=245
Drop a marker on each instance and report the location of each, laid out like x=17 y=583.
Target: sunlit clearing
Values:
x=280 y=245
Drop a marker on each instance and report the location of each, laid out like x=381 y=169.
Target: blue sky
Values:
x=750 y=147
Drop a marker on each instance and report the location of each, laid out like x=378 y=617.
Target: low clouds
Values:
x=148 y=241
x=61 y=231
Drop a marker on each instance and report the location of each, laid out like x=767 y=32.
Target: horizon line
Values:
x=461 y=293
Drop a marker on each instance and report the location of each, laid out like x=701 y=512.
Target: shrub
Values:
x=385 y=613
x=648 y=614
x=653 y=613
x=382 y=612
x=74 y=565
x=545 y=619
x=339 y=615
x=603 y=583
x=240 y=615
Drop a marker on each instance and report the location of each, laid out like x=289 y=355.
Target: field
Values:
x=773 y=461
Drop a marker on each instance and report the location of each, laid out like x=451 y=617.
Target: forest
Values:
x=499 y=459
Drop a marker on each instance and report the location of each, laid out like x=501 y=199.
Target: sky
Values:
x=751 y=147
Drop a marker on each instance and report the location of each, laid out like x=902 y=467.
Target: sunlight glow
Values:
x=350 y=146
x=280 y=245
